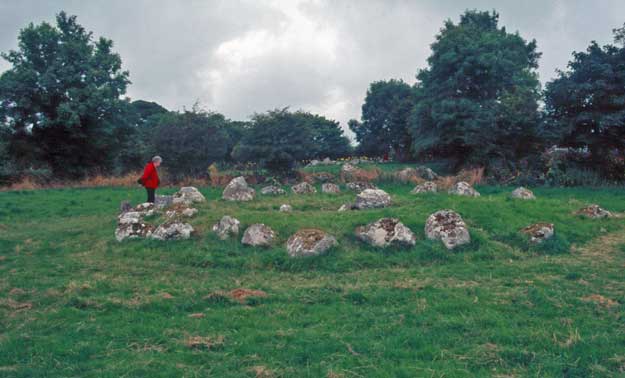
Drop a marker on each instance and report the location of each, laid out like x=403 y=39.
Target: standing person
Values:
x=150 y=178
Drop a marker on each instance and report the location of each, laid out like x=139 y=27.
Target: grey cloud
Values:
x=240 y=57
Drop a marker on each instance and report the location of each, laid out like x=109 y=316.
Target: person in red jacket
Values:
x=150 y=178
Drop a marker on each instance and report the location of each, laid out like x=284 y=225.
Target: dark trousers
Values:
x=150 y=194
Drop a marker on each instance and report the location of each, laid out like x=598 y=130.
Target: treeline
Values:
x=477 y=103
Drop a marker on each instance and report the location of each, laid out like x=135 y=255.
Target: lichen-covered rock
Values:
x=523 y=193
x=330 y=188
x=386 y=232
x=188 y=195
x=272 y=190
x=125 y=206
x=238 y=190
x=163 y=201
x=539 y=232
x=180 y=210
x=226 y=227
x=359 y=186
x=594 y=212
x=258 y=235
x=463 y=188
x=303 y=188
x=172 y=231
x=447 y=226
x=309 y=242
x=406 y=175
x=426 y=173
x=372 y=199
x=284 y=208
x=426 y=187
x=133 y=230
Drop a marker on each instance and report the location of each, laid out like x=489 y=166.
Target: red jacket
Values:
x=150 y=176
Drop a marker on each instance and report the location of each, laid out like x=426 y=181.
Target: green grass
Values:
x=76 y=303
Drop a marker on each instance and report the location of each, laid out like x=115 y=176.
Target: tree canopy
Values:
x=61 y=98
x=477 y=99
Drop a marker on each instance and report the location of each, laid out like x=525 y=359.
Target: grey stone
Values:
x=447 y=226
x=258 y=235
x=426 y=187
x=464 y=189
x=523 y=193
x=386 y=232
x=226 y=227
x=188 y=195
x=172 y=231
x=330 y=188
x=539 y=232
x=272 y=190
x=303 y=188
x=309 y=242
x=372 y=199
x=238 y=190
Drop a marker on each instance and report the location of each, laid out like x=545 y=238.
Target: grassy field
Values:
x=76 y=303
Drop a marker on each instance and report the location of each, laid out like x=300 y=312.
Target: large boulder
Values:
x=359 y=186
x=309 y=242
x=330 y=188
x=172 y=231
x=426 y=187
x=386 y=232
x=272 y=190
x=188 y=195
x=406 y=175
x=523 y=193
x=130 y=225
x=303 y=188
x=463 y=188
x=163 y=201
x=447 y=226
x=238 y=190
x=594 y=212
x=426 y=173
x=258 y=235
x=539 y=232
x=226 y=227
x=372 y=199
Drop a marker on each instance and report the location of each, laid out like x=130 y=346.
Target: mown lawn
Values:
x=76 y=303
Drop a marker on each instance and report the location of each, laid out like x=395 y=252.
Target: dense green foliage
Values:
x=278 y=139
x=384 y=126
x=75 y=302
x=477 y=100
x=585 y=106
x=61 y=99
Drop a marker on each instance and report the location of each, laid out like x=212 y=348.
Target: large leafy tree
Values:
x=61 y=98
x=189 y=141
x=385 y=120
x=276 y=140
x=328 y=139
x=585 y=104
x=477 y=100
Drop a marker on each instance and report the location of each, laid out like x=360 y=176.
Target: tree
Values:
x=478 y=99
x=61 y=98
x=327 y=136
x=385 y=120
x=585 y=105
x=276 y=140
x=189 y=142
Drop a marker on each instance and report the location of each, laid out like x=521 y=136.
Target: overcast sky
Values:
x=241 y=57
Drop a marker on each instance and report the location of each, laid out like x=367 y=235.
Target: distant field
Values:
x=76 y=303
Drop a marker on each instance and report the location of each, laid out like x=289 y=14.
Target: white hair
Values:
x=156 y=159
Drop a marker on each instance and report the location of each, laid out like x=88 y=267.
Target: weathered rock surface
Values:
x=594 y=212
x=372 y=199
x=330 y=188
x=188 y=195
x=539 y=232
x=258 y=235
x=303 y=188
x=172 y=231
x=238 y=190
x=523 y=193
x=309 y=242
x=272 y=190
x=226 y=227
x=463 y=188
x=163 y=201
x=134 y=230
x=406 y=175
x=426 y=187
x=359 y=186
x=426 y=173
x=386 y=232
x=177 y=212
x=447 y=226
x=284 y=208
